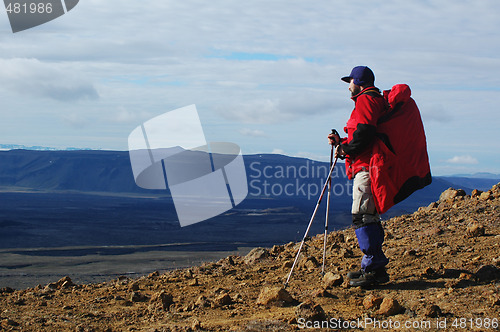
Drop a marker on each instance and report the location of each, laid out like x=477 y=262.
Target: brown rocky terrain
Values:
x=444 y=272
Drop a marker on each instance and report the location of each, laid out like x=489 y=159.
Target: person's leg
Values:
x=367 y=225
x=370 y=239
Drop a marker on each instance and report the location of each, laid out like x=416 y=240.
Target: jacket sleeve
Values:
x=368 y=110
x=362 y=137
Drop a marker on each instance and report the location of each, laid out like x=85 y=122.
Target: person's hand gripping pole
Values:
x=335 y=140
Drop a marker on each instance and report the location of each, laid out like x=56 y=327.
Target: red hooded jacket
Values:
x=361 y=128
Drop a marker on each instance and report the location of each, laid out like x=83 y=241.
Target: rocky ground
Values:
x=444 y=272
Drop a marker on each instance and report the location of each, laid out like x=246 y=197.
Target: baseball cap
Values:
x=362 y=75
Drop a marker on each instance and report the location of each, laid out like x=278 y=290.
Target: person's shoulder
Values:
x=372 y=92
x=371 y=100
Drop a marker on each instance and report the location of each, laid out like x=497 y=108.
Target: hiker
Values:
x=356 y=148
x=386 y=157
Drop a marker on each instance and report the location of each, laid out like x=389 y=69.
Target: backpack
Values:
x=399 y=164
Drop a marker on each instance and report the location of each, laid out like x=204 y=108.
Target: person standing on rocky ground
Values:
x=356 y=148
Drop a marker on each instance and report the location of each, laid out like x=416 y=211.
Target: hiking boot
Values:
x=374 y=277
x=354 y=274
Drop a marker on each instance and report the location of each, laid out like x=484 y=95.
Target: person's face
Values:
x=355 y=89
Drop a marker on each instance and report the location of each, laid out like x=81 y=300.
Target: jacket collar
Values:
x=366 y=90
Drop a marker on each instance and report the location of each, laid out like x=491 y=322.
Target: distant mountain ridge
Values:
x=82 y=170
x=37 y=148
x=269 y=175
x=68 y=198
x=479 y=175
x=479 y=183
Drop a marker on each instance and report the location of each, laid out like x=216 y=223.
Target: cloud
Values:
x=255 y=111
x=75 y=120
x=288 y=107
x=124 y=115
x=436 y=114
x=278 y=151
x=49 y=80
x=466 y=159
x=252 y=132
x=276 y=69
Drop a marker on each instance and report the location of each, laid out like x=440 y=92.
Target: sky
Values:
x=263 y=74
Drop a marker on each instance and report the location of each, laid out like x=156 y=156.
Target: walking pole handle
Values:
x=335 y=133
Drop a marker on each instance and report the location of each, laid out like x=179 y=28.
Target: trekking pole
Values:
x=327 y=209
x=310 y=222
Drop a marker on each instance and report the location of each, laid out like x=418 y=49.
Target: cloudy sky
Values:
x=263 y=74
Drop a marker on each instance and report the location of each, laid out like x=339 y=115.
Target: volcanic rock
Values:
x=451 y=193
x=137 y=297
x=434 y=231
x=164 y=299
x=196 y=325
x=193 y=282
x=256 y=255
x=64 y=283
x=431 y=206
x=134 y=286
x=202 y=301
x=6 y=290
x=372 y=301
x=331 y=280
x=389 y=307
x=433 y=311
x=310 y=311
x=275 y=296
x=310 y=263
x=8 y=323
x=496 y=261
x=487 y=273
x=222 y=300
x=320 y=292
x=486 y=196
x=475 y=230
x=475 y=193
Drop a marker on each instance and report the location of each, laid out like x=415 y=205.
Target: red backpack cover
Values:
x=399 y=164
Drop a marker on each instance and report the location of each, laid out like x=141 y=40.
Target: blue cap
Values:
x=362 y=75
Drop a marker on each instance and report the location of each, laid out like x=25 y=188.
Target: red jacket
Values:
x=361 y=128
x=386 y=136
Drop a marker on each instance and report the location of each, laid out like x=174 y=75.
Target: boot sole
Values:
x=369 y=282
